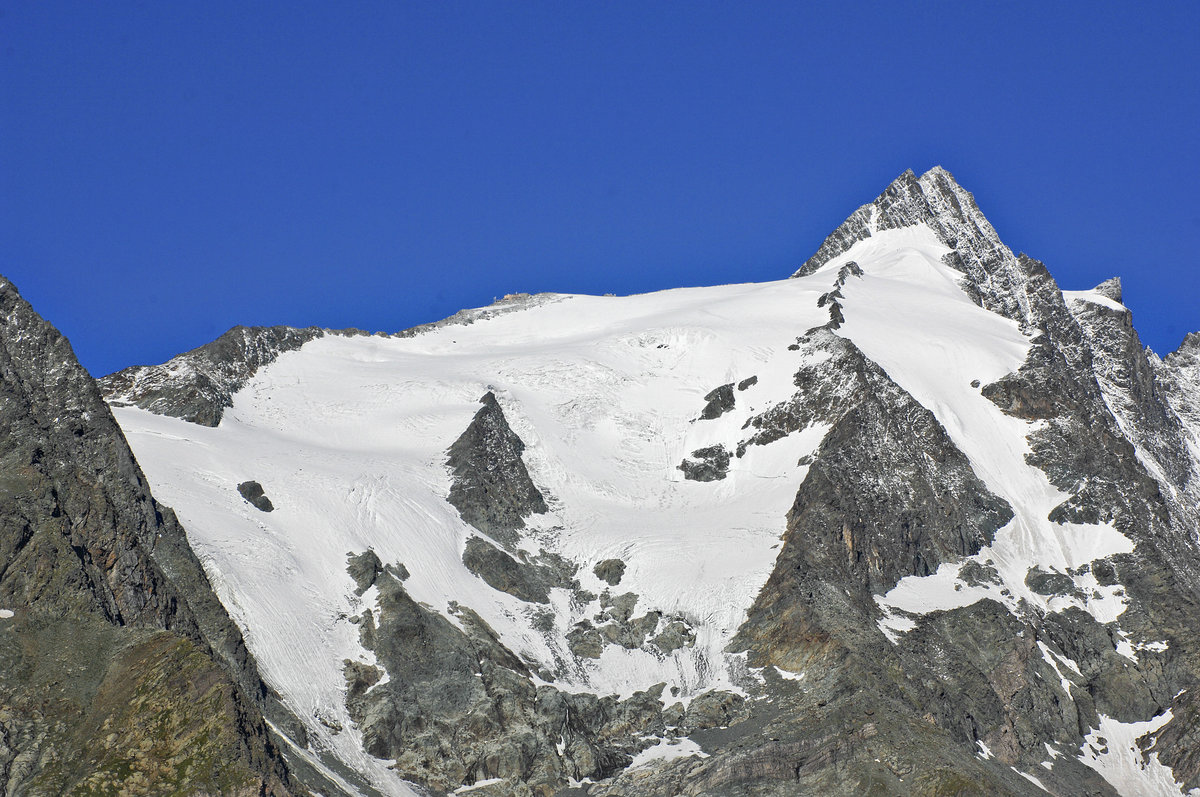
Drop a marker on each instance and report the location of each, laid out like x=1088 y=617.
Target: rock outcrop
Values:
x=491 y=489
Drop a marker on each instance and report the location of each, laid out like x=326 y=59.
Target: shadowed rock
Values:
x=720 y=401
x=491 y=487
x=610 y=570
x=252 y=491
x=706 y=464
x=119 y=633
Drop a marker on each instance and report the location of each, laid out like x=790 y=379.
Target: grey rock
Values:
x=885 y=464
x=504 y=573
x=631 y=633
x=491 y=487
x=610 y=571
x=676 y=634
x=1047 y=583
x=1110 y=288
x=458 y=707
x=747 y=382
x=252 y=491
x=720 y=401
x=713 y=709
x=585 y=641
x=1132 y=393
x=91 y=557
x=363 y=568
x=618 y=607
x=706 y=464
x=974 y=574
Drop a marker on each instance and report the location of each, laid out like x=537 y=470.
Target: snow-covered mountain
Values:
x=914 y=521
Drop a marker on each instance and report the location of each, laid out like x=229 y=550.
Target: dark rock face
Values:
x=1179 y=376
x=528 y=579
x=1046 y=583
x=720 y=401
x=88 y=555
x=706 y=464
x=364 y=569
x=492 y=489
x=1129 y=387
x=459 y=707
x=1112 y=441
x=1110 y=288
x=888 y=494
x=252 y=491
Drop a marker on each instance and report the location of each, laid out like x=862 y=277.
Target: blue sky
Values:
x=172 y=169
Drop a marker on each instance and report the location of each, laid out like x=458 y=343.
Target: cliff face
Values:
x=120 y=666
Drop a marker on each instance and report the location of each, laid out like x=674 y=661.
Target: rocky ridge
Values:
x=199 y=385
x=121 y=669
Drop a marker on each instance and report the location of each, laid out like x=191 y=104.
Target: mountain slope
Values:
x=913 y=522
x=118 y=666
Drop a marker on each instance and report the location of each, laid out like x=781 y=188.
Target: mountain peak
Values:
x=1110 y=288
x=934 y=199
x=993 y=276
x=1189 y=346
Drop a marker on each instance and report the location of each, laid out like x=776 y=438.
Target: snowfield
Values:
x=348 y=437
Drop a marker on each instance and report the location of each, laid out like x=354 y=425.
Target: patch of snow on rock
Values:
x=1112 y=751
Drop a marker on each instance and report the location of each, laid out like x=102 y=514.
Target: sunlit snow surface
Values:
x=1112 y=751
x=348 y=437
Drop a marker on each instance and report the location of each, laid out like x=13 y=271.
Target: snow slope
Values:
x=348 y=438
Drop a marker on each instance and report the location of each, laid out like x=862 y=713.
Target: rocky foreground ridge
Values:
x=120 y=671
x=965 y=564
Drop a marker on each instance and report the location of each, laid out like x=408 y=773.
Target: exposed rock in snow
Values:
x=491 y=489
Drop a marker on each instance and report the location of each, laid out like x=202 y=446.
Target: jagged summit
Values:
x=1190 y=345
x=935 y=198
x=994 y=277
x=1110 y=288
